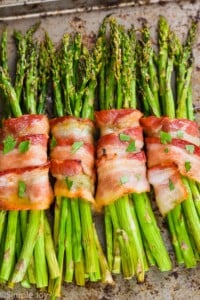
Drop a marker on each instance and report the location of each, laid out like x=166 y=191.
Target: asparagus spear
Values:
x=183 y=59
x=163 y=34
x=23 y=46
x=43 y=78
x=148 y=71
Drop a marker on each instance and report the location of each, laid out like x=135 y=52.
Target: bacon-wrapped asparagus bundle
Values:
x=23 y=164
x=132 y=233
x=173 y=141
x=24 y=179
x=72 y=164
x=176 y=143
x=72 y=157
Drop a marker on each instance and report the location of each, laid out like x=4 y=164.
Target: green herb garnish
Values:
x=190 y=148
x=166 y=150
x=131 y=147
x=124 y=137
x=21 y=189
x=8 y=144
x=138 y=176
x=180 y=134
x=24 y=146
x=187 y=166
x=124 y=179
x=69 y=183
x=171 y=185
x=165 y=137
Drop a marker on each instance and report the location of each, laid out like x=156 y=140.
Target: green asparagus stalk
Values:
x=9 y=247
x=163 y=34
x=148 y=70
x=183 y=59
x=43 y=78
x=23 y=46
x=55 y=71
x=3 y=51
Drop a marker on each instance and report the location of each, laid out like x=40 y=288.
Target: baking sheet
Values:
x=179 y=283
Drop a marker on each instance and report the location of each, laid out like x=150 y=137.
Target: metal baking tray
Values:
x=58 y=17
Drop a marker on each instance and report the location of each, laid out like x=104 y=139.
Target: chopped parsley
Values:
x=180 y=134
x=138 y=176
x=187 y=166
x=124 y=179
x=21 y=189
x=124 y=137
x=69 y=183
x=190 y=148
x=166 y=150
x=8 y=144
x=165 y=137
x=131 y=147
x=76 y=146
x=171 y=185
x=24 y=146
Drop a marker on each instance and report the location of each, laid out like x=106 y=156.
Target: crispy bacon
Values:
x=35 y=155
x=115 y=120
x=176 y=152
x=68 y=167
x=117 y=177
x=120 y=162
x=26 y=125
x=168 y=187
x=85 y=154
x=37 y=194
x=110 y=145
x=73 y=128
x=183 y=129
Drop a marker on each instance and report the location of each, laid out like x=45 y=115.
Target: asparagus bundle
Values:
x=183 y=219
x=74 y=81
x=133 y=239
x=27 y=249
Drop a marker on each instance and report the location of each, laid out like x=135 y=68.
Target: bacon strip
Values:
x=115 y=120
x=72 y=128
x=26 y=125
x=85 y=154
x=35 y=155
x=73 y=167
x=168 y=187
x=38 y=193
x=176 y=152
x=117 y=177
x=110 y=145
x=182 y=129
